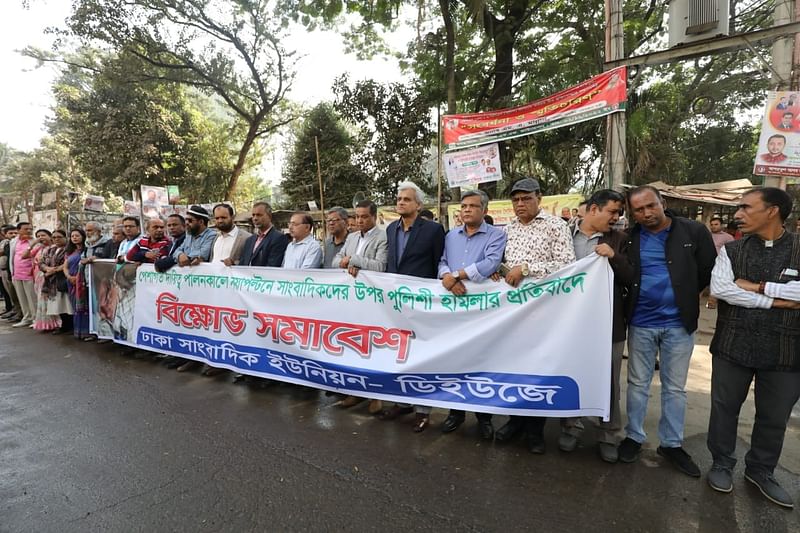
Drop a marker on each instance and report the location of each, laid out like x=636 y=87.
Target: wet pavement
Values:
x=91 y=440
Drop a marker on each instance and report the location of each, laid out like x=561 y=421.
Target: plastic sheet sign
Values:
x=472 y=166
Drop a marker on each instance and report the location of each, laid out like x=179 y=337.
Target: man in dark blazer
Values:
x=415 y=244
x=267 y=245
x=415 y=248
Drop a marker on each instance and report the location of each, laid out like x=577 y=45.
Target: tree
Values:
x=394 y=133
x=230 y=48
x=124 y=134
x=341 y=178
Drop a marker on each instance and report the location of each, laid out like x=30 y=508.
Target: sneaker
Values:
x=22 y=324
x=628 y=450
x=770 y=488
x=608 y=452
x=720 y=478
x=567 y=442
x=680 y=460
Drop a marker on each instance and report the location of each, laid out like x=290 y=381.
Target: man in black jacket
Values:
x=595 y=233
x=267 y=246
x=415 y=248
x=672 y=259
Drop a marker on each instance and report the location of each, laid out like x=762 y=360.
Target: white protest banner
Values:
x=541 y=349
x=779 y=144
x=472 y=166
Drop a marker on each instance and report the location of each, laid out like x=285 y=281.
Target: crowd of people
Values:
x=661 y=265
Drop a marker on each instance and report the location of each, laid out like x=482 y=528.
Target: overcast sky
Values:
x=25 y=98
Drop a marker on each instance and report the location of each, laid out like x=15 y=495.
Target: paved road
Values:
x=91 y=440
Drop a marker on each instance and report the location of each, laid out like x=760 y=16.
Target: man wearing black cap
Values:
x=538 y=244
x=197 y=246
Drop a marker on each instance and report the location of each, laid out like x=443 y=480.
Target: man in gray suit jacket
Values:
x=367 y=249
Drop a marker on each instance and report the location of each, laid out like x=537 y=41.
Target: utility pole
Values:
x=783 y=59
x=616 y=123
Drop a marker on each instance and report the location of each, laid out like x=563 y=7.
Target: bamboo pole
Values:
x=321 y=191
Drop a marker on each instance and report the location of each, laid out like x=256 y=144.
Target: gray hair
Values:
x=405 y=185
x=480 y=194
x=341 y=211
x=93 y=224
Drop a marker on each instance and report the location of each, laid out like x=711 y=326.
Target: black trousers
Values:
x=775 y=394
x=479 y=416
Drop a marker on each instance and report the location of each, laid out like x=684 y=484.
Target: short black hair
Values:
x=134 y=219
x=603 y=196
x=426 y=213
x=773 y=196
x=227 y=206
x=178 y=216
x=307 y=219
x=20 y=225
x=643 y=188
x=8 y=227
x=46 y=231
x=488 y=219
x=716 y=217
x=777 y=136
x=373 y=209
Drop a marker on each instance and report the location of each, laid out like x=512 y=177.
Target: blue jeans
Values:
x=674 y=347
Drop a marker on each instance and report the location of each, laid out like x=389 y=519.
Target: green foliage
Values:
x=341 y=178
x=230 y=48
x=125 y=134
x=394 y=132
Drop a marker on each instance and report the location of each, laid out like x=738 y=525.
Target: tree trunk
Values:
x=249 y=140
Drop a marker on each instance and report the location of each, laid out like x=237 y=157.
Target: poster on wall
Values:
x=94 y=203
x=778 y=151
x=473 y=165
x=152 y=200
x=46 y=219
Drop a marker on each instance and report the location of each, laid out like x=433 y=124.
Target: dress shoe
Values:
x=421 y=422
x=173 y=363
x=485 y=429
x=567 y=442
x=22 y=324
x=680 y=460
x=451 y=423
x=350 y=401
x=629 y=450
x=394 y=412
x=188 y=365
x=375 y=407
x=535 y=444
x=511 y=429
x=211 y=371
x=608 y=452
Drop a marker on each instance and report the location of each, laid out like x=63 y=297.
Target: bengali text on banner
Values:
x=543 y=348
x=599 y=96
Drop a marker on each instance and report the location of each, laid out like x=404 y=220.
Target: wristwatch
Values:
x=525 y=270
x=455 y=274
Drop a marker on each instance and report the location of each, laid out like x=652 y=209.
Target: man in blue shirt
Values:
x=304 y=251
x=474 y=252
x=672 y=259
x=197 y=245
